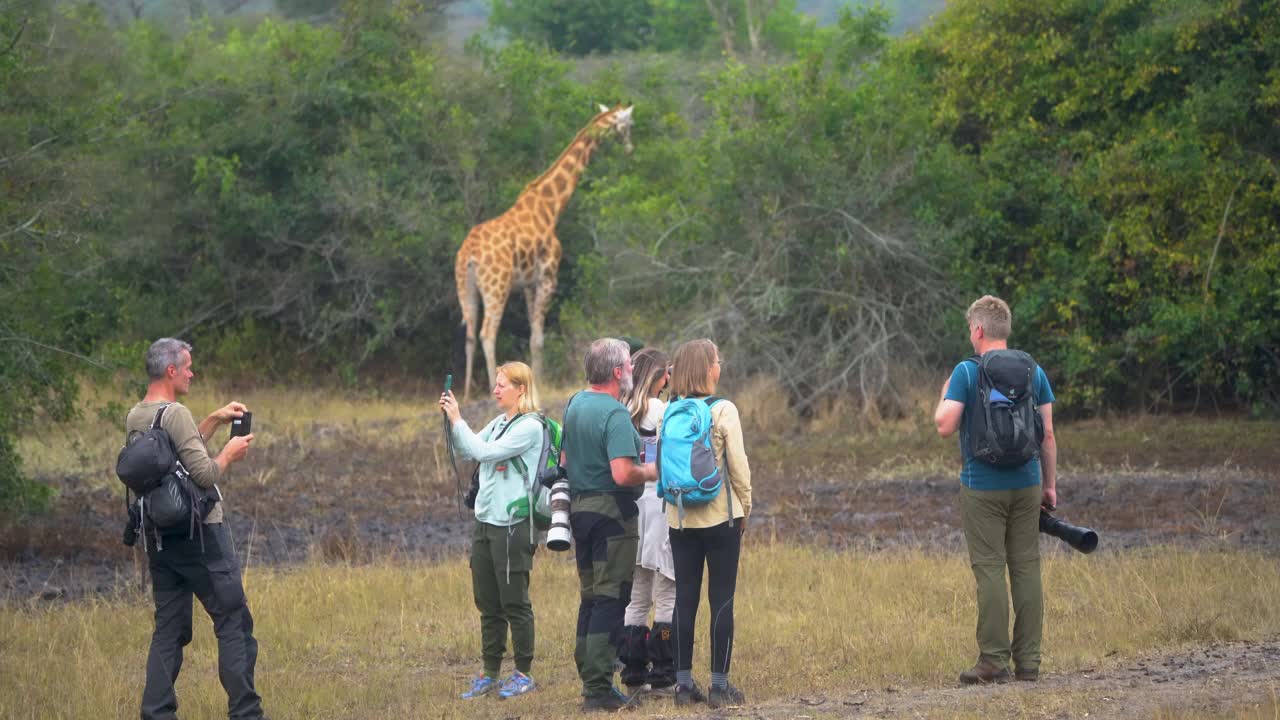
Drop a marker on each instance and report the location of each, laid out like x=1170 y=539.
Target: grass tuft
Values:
x=401 y=640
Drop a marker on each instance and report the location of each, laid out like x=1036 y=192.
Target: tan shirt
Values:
x=184 y=432
x=726 y=440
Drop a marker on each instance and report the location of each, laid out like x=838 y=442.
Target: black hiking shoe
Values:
x=612 y=702
x=689 y=694
x=727 y=696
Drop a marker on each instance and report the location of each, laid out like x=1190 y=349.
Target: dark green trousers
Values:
x=605 y=539
x=501 y=558
x=1001 y=528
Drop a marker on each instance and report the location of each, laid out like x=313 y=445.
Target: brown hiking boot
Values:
x=1027 y=675
x=984 y=672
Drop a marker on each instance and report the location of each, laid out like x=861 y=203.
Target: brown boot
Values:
x=1027 y=675
x=984 y=672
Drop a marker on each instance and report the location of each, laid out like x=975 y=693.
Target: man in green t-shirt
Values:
x=600 y=452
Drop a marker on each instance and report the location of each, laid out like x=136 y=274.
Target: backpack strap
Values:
x=523 y=469
x=159 y=414
x=517 y=460
x=564 y=435
x=711 y=402
x=507 y=427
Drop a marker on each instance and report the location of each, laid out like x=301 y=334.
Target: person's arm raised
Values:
x=219 y=417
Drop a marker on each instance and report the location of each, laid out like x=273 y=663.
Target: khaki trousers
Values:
x=1001 y=528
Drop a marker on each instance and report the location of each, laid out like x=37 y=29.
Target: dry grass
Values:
x=840 y=437
x=402 y=640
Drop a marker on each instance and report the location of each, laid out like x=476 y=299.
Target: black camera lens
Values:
x=1080 y=538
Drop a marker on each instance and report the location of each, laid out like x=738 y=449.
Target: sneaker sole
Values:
x=508 y=696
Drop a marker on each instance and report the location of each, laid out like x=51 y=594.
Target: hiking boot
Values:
x=727 y=696
x=984 y=672
x=517 y=684
x=1027 y=675
x=611 y=702
x=661 y=691
x=482 y=685
x=689 y=694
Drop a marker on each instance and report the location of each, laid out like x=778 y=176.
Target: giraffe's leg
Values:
x=535 y=330
x=539 y=301
x=469 y=301
x=494 y=303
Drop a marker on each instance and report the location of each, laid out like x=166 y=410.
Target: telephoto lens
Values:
x=559 y=535
x=1080 y=538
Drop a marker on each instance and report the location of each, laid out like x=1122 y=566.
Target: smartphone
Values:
x=448 y=382
x=242 y=425
x=648 y=450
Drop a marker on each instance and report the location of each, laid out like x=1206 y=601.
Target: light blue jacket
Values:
x=500 y=482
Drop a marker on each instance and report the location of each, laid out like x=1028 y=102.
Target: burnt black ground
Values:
x=358 y=497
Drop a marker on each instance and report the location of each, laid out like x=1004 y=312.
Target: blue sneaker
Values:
x=517 y=684
x=482 y=685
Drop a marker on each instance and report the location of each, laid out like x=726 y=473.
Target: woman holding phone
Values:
x=501 y=546
x=647 y=657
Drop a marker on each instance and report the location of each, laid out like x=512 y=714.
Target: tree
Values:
x=53 y=309
x=577 y=27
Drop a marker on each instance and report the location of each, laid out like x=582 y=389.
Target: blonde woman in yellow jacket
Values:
x=709 y=536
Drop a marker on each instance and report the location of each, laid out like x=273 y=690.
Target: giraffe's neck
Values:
x=551 y=191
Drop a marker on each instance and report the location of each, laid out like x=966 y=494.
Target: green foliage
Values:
x=1127 y=205
x=290 y=196
x=583 y=27
x=52 y=314
x=578 y=27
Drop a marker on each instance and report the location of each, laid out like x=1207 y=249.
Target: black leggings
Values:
x=718 y=547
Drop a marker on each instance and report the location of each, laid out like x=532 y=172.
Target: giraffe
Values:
x=519 y=250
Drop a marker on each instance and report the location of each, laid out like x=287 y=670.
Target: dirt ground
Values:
x=356 y=497
x=1217 y=680
x=353 y=497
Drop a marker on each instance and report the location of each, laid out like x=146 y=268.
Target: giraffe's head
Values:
x=618 y=120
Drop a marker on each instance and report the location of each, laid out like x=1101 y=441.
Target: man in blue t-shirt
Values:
x=600 y=453
x=1000 y=510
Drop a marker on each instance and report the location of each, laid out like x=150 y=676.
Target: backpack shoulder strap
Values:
x=711 y=402
x=507 y=427
x=159 y=414
x=1035 y=370
x=564 y=435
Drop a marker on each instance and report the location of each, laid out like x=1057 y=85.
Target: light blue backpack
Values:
x=687 y=471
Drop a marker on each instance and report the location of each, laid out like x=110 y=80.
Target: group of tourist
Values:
x=636 y=553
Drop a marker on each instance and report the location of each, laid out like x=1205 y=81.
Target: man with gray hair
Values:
x=600 y=454
x=204 y=567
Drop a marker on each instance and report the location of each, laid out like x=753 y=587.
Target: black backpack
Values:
x=1005 y=429
x=146 y=458
x=167 y=500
